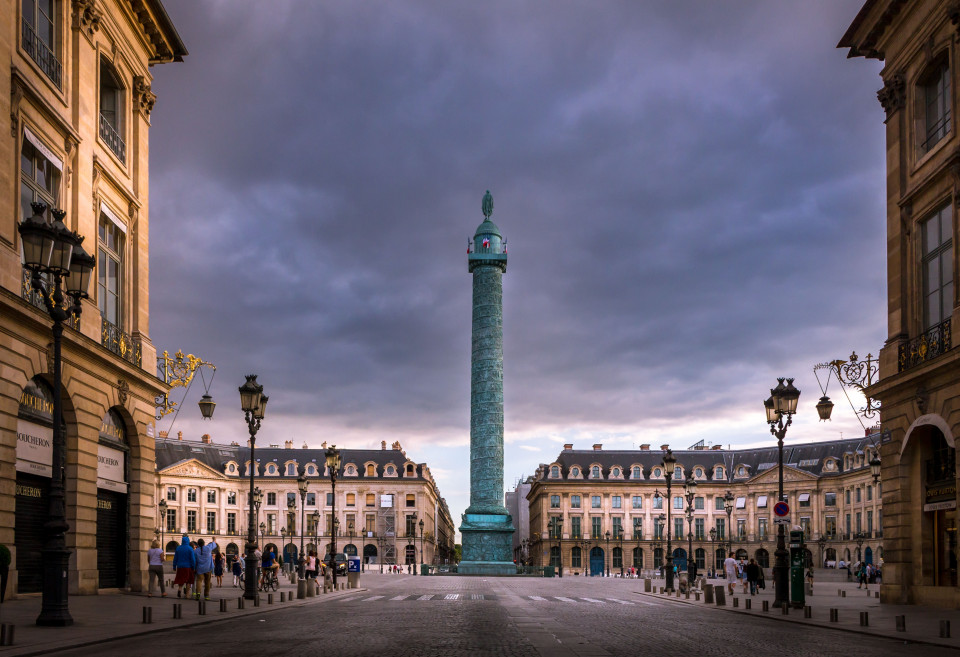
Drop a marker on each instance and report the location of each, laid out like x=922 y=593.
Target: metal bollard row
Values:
x=944 y=629
x=223 y=604
x=901 y=623
x=240 y=602
x=864 y=619
x=834 y=616
x=177 y=610
x=766 y=605
x=147 y=615
x=748 y=604
x=808 y=612
x=6 y=634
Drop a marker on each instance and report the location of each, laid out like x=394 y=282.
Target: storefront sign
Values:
x=941 y=493
x=34 y=448
x=940 y=506
x=110 y=469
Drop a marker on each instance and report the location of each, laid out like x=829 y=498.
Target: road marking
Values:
x=452 y=596
x=426 y=597
x=400 y=597
x=594 y=600
x=537 y=598
x=562 y=599
x=376 y=597
x=623 y=602
x=476 y=596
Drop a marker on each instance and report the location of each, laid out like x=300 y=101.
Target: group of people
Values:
x=750 y=575
x=195 y=565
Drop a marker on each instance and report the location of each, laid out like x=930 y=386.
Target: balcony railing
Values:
x=924 y=347
x=40 y=52
x=121 y=344
x=112 y=138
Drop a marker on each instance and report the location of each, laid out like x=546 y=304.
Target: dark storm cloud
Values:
x=692 y=193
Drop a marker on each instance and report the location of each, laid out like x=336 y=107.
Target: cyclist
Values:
x=270 y=566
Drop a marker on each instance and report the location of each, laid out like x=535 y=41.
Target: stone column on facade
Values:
x=487 y=528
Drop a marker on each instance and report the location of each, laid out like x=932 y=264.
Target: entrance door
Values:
x=370 y=553
x=112 y=539
x=290 y=554
x=680 y=559
x=596 y=562
x=31 y=511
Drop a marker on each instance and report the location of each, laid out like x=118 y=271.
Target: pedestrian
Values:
x=730 y=572
x=862 y=576
x=743 y=573
x=204 y=568
x=184 y=563
x=237 y=571
x=218 y=566
x=155 y=566
x=761 y=582
x=753 y=575
x=810 y=579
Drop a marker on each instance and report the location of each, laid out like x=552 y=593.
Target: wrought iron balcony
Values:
x=924 y=347
x=39 y=52
x=112 y=138
x=120 y=343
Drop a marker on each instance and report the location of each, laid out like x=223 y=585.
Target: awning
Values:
x=112 y=216
x=761 y=501
x=804 y=497
x=40 y=146
x=741 y=502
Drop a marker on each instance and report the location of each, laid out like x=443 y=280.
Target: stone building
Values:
x=74 y=134
x=381 y=497
x=615 y=509
x=919 y=386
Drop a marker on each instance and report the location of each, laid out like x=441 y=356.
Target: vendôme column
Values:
x=487 y=528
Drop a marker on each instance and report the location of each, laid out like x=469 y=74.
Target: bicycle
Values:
x=269 y=580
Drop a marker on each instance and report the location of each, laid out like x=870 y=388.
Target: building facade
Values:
x=74 y=134
x=614 y=508
x=380 y=499
x=919 y=387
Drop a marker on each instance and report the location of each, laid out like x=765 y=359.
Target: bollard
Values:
x=661 y=590
x=696 y=596
x=901 y=623
x=147 y=615
x=283 y=596
x=748 y=604
x=240 y=602
x=721 y=596
x=647 y=585
x=303 y=589
x=256 y=601
x=808 y=612
x=202 y=607
x=839 y=592
x=766 y=605
x=688 y=594
x=708 y=594
x=944 y=629
x=269 y=598
x=6 y=634
x=223 y=604
x=876 y=594
x=785 y=608
x=834 y=616
x=843 y=594
x=736 y=602
x=864 y=619
x=177 y=610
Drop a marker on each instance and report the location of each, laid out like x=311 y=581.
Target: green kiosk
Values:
x=797 y=563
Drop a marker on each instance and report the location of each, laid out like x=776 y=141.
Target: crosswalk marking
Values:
x=452 y=596
x=562 y=599
x=623 y=602
x=594 y=600
x=537 y=598
x=400 y=597
x=371 y=599
x=426 y=597
x=476 y=596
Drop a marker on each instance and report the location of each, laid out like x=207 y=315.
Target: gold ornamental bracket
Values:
x=851 y=373
x=178 y=371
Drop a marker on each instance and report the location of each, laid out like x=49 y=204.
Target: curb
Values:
x=159 y=630
x=788 y=619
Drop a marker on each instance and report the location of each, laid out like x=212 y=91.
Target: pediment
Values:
x=192 y=468
x=789 y=474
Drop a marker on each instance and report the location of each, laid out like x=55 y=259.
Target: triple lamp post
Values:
x=780 y=408
x=254 y=405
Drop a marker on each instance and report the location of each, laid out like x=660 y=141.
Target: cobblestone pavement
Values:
x=404 y=616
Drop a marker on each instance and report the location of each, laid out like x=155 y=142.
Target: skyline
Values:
x=693 y=198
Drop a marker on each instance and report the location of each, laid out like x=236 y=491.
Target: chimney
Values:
x=179 y=435
x=383 y=444
x=288 y=444
x=205 y=438
x=164 y=434
x=304 y=445
x=567 y=447
x=645 y=447
x=396 y=445
x=664 y=447
x=598 y=447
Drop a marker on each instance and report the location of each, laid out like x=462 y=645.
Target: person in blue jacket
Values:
x=185 y=565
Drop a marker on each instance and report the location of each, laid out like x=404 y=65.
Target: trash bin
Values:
x=424 y=569
x=548 y=571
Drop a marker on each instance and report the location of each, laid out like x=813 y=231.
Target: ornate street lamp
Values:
x=690 y=486
x=283 y=539
x=556 y=528
x=780 y=408
x=333 y=466
x=608 y=552
x=822 y=542
x=727 y=538
x=658 y=539
x=263 y=538
x=412 y=540
x=315 y=516
x=163 y=519
x=618 y=530
x=859 y=537
x=420 y=524
x=637 y=535
x=302 y=486
x=254 y=405
x=713 y=551
x=669 y=463
x=53 y=249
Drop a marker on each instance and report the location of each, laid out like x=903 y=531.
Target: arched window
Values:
x=718 y=472
x=933 y=114
x=636 y=472
x=701 y=558
x=657 y=472
x=112 y=110
x=617 y=557
x=371 y=470
x=291 y=470
x=110 y=269
x=595 y=472
x=555 y=472
x=410 y=471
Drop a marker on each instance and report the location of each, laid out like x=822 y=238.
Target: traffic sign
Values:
x=781 y=509
x=781 y=521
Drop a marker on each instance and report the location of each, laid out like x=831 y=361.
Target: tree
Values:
x=457 y=552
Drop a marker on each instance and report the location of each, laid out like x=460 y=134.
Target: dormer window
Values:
x=615 y=472
x=718 y=472
x=595 y=472
x=371 y=470
x=677 y=472
x=231 y=468
x=291 y=470
x=555 y=472
x=410 y=470
x=657 y=473
x=271 y=469
x=636 y=472
x=311 y=470
x=575 y=472
x=390 y=471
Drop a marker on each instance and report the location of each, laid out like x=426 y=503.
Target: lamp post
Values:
x=556 y=527
x=619 y=536
x=412 y=540
x=315 y=516
x=859 y=536
x=380 y=544
x=713 y=552
x=669 y=463
x=333 y=465
x=658 y=538
x=637 y=535
x=690 y=486
x=608 y=552
x=263 y=535
x=822 y=543
x=780 y=408
x=302 y=486
x=420 y=524
x=254 y=405
x=283 y=539
x=53 y=249
x=163 y=519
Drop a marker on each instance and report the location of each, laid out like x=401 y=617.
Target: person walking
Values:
x=237 y=571
x=155 y=567
x=218 y=560
x=753 y=575
x=184 y=563
x=742 y=566
x=204 y=568
x=730 y=572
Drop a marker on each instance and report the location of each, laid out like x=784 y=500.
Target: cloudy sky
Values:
x=692 y=193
